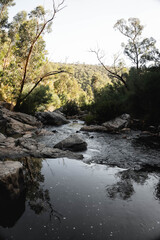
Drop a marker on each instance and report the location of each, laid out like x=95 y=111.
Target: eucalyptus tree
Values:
x=24 y=58
x=30 y=44
x=4 y=5
x=139 y=50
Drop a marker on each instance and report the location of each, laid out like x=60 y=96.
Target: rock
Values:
x=43 y=132
x=6 y=105
x=11 y=179
x=23 y=147
x=72 y=143
x=117 y=123
x=21 y=117
x=2 y=138
x=12 y=123
x=126 y=130
x=14 y=127
x=94 y=128
x=51 y=118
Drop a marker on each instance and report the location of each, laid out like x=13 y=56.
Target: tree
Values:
x=23 y=60
x=115 y=72
x=4 y=4
x=138 y=50
x=39 y=26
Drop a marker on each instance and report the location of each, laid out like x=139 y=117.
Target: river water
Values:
x=105 y=196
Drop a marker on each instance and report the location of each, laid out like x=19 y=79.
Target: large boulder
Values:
x=11 y=179
x=118 y=123
x=16 y=123
x=72 y=143
x=14 y=127
x=51 y=118
x=20 y=117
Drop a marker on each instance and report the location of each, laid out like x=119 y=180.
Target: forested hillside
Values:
x=31 y=83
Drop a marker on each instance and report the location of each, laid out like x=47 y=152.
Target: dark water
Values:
x=74 y=200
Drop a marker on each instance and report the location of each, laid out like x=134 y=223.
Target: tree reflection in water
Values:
x=37 y=197
x=124 y=189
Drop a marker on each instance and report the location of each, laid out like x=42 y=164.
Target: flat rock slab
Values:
x=11 y=179
x=72 y=143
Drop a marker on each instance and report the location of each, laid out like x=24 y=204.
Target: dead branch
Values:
x=112 y=73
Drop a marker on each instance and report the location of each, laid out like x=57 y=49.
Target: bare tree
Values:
x=114 y=72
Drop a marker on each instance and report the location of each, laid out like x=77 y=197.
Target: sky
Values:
x=88 y=24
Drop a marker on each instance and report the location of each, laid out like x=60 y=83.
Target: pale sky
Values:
x=86 y=24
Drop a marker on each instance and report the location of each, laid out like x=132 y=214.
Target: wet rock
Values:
x=51 y=118
x=94 y=128
x=22 y=147
x=11 y=179
x=72 y=143
x=117 y=123
x=149 y=140
x=125 y=130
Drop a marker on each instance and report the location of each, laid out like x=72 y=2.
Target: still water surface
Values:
x=75 y=200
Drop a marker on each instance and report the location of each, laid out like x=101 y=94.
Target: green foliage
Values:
x=37 y=100
x=71 y=108
x=109 y=103
x=138 y=50
x=90 y=119
x=143 y=100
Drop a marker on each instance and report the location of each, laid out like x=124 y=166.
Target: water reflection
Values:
x=37 y=196
x=11 y=211
x=124 y=188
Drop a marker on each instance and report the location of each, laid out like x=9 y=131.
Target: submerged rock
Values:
x=11 y=179
x=51 y=118
x=72 y=143
x=94 y=128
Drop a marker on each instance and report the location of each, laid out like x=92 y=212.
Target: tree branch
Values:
x=113 y=74
x=44 y=76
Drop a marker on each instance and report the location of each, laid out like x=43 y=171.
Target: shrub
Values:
x=71 y=108
x=37 y=100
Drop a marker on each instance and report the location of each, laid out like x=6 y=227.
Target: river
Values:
x=108 y=195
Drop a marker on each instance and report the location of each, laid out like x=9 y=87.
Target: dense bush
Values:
x=109 y=103
x=142 y=100
x=37 y=100
x=71 y=108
